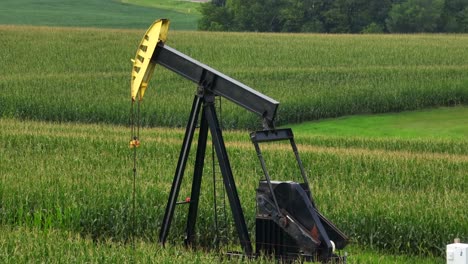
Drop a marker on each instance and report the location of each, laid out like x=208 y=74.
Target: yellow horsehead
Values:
x=142 y=66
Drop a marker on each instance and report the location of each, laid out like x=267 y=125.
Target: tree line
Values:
x=335 y=16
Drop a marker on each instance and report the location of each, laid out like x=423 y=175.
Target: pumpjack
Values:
x=288 y=223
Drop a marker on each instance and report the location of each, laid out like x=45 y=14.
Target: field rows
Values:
x=25 y=245
x=78 y=178
x=96 y=13
x=68 y=184
x=380 y=148
x=83 y=75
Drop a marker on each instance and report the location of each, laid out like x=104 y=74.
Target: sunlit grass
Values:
x=78 y=178
x=443 y=123
x=84 y=74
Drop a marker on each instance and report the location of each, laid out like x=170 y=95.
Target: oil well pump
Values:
x=288 y=223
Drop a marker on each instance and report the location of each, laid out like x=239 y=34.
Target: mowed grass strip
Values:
x=77 y=177
x=63 y=74
x=441 y=130
x=437 y=123
x=95 y=13
x=183 y=6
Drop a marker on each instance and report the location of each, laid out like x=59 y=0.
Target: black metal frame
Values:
x=277 y=135
x=287 y=134
x=209 y=121
x=211 y=83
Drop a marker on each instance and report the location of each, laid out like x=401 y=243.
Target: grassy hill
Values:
x=95 y=13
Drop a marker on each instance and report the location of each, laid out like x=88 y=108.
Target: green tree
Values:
x=378 y=10
x=372 y=28
x=259 y=15
x=336 y=18
x=415 y=16
x=215 y=18
x=218 y=2
x=291 y=17
x=303 y=16
x=353 y=16
x=455 y=16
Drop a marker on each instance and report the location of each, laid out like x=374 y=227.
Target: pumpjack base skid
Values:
x=293 y=258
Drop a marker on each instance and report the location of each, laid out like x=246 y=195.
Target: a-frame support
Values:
x=152 y=51
x=205 y=104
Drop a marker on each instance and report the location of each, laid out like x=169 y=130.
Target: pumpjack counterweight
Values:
x=288 y=223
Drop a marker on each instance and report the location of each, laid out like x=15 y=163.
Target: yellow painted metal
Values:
x=142 y=66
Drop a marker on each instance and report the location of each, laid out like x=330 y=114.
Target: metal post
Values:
x=196 y=183
x=179 y=174
x=228 y=178
x=267 y=176
x=301 y=167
